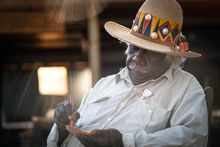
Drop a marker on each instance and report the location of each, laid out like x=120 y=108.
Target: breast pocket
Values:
x=136 y=117
x=159 y=119
x=88 y=115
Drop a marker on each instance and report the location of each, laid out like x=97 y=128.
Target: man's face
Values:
x=144 y=61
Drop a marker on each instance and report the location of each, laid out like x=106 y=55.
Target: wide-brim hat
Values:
x=156 y=27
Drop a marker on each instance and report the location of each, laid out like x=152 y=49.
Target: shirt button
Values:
x=150 y=111
x=110 y=118
x=122 y=104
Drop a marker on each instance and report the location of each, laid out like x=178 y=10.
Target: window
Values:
x=52 y=80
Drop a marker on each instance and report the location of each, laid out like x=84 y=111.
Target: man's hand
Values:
x=64 y=114
x=101 y=138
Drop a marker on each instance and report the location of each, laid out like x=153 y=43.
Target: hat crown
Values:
x=159 y=21
x=157 y=27
x=166 y=9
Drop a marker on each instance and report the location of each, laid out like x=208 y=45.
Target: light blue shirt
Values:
x=168 y=111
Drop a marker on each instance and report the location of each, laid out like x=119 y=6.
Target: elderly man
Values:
x=152 y=101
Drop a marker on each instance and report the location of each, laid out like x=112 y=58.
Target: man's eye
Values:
x=151 y=53
x=133 y=49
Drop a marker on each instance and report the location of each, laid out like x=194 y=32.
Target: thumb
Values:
x=76 y=115
x=73 y=118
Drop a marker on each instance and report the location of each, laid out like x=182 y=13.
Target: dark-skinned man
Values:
x=151 y=102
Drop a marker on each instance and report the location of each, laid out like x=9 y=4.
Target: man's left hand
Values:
x=102 y=138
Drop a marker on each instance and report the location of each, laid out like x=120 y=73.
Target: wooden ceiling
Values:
x=27 y=37
x=26 y=33
x=31 y=16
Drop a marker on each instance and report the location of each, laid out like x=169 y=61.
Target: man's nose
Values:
x=139 y=55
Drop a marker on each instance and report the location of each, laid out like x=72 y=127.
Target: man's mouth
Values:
x=138 y=63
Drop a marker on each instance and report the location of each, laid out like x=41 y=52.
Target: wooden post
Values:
x=94 y=47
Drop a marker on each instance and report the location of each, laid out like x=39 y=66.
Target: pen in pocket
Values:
x=71 y=120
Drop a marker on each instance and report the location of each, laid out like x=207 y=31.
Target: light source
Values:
x=68 y=11
x=52 y=80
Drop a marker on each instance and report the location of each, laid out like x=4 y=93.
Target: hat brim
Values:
x=123 y=34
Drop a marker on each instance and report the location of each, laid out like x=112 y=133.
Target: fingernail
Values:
x=70 y=117
x=72 y=123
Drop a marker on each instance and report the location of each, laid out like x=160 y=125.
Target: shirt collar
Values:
x=124 y=74
x=168 y=74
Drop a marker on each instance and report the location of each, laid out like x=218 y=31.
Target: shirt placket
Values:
x=119 y=108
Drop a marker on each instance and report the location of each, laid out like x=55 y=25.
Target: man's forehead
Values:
x=131 y=46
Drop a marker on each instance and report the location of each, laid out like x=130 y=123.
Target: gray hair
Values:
x=176 y=61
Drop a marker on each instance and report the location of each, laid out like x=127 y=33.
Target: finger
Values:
x=73 y=119
x=68 y=108
x=65 y=104
x=60 y=122
x=76 y=116
x=63 y=113
x=86 y=140
x=78 y=131
x=60 y=115
x=98 y=133
x=59 y=104
x=60 y=125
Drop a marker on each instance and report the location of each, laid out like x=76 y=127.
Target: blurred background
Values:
x=52 y=50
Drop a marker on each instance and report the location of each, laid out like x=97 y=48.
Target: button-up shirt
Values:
x=164 y=112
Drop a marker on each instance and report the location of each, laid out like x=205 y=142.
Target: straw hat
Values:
x=156 y=27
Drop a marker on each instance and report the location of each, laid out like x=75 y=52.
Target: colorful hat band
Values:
x=156 y=29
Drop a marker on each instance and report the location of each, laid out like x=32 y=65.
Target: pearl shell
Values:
x=148 y=17
x=177 y=48
x=133 y=21
x=154 y=35
x=135 y=28
x=165 y=31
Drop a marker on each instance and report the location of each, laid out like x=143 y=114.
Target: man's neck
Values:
x=140 y=78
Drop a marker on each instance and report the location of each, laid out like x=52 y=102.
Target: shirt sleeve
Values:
x=53 y=136
x=188 y=124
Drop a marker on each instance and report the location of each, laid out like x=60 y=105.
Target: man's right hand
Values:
x=64 y=113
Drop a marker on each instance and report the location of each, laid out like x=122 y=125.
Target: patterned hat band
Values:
x=159 y=30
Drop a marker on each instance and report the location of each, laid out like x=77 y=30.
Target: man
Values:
x=152 y=101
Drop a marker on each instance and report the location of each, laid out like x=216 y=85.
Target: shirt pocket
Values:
x=137 y=117
x=159 y=119
x=91 y=109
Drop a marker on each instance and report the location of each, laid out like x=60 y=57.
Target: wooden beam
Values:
x=18 y=5
x=32 y=22
x=43 y=41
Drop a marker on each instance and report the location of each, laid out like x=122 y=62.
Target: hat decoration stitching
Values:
x=156 y=29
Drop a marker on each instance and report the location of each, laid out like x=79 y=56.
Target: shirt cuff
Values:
x=128 y=140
